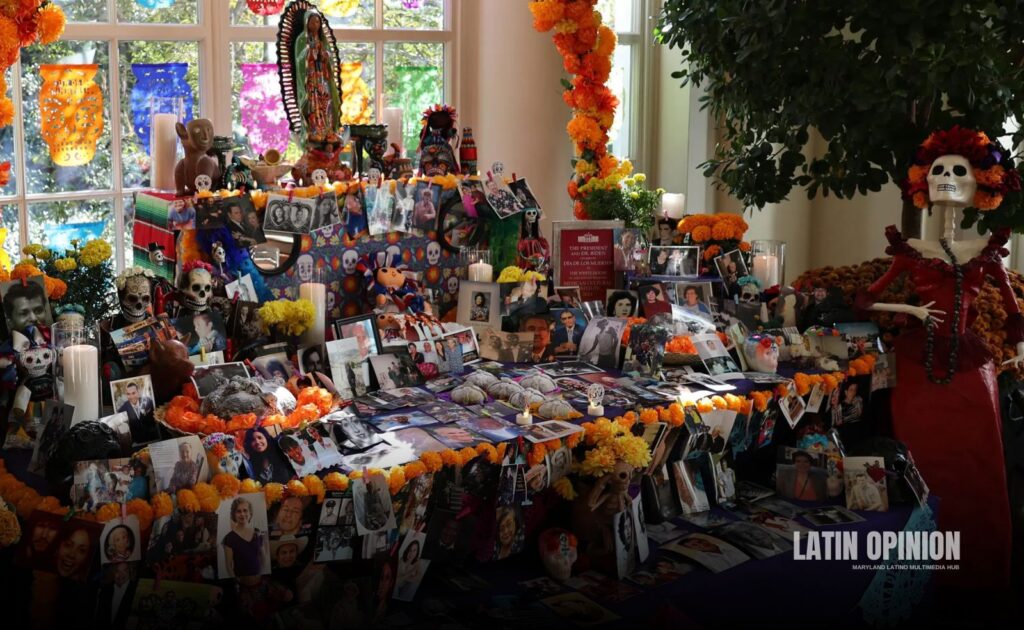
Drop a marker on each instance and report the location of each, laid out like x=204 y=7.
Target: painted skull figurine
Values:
x=433 y=253
x=332 y=300
x=304 y=268
x=135 y=297
x=320 y=178
x=197 y=289
x=72 y=314
x=951 y=181
x=558 y=552
x=531 y=215
x=203 y=183
x=36 y=361
x=349 y=261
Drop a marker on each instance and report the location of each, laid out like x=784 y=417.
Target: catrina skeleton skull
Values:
x=135 y=298
x=433 y=253
x=331 y=301
x=197 y=290
x=531 y=215
x=951 y=181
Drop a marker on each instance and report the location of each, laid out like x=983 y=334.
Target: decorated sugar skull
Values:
x=156 y=254
x=134 y=294
x=750 y=289
x=204 y=183
x=595 y=394
x=222 y=454
x=433 y=253
x=762 y=353
x=304 y=267
x=349 y=261
x=320 y=177
x=36 y=362
x=453 y=285
x=197 y=288
x=558 y=552
x=374 y=175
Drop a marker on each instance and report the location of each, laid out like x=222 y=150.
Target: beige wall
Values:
x=671 y=125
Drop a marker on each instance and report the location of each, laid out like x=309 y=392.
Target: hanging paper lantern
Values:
x=263 y=117
x=159 y=88
x=339 y=8
x=265 y=7
x=71 y=112
x=154 y=4
x=356 y=98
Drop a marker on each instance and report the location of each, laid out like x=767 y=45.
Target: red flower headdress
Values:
x=992 y=169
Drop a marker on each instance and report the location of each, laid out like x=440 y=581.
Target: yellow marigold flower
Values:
x=162 y=505
x=564 y=489
x=50 y=21
x=249 y=486
x=142 y=511
x=96 y=252
x=208 y=496
x=336 y=482
x=315 y=486
x=226 y=484
x=511 y=273
x=433 y=461
x=108 y=512
x=64 y=265
x=296 y=488
x=273 y=493
x=187 y=500
x=396 y=479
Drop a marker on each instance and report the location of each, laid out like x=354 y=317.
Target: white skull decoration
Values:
x=135 y=298
x=349 y=260
x=331 y=301
x=204 y=183
x=498 y=168
x=304 y=267
x=198 y=289
x=320 y=177
x=36 y=361
x=532 y=214
x=951 y=181
x=156 y=256
x=595 y=394
x=453 y=285
x=433 y=253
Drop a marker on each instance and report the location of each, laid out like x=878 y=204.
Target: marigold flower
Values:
x=432 y=460
x=274 y=492
x=336 y=482
x=208 y=496
x=396 y=479
x=187 y=500
x=142 y=511
x=162 y=505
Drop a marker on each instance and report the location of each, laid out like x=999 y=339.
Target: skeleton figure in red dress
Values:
x=945 y=406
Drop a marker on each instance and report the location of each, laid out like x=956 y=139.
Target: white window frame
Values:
x=216 y=37
x=643 y=83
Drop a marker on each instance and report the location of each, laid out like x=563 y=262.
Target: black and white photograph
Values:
x=243 y=540
x=411 y=566
x=501 y=199
x=518 y=298
x=558 y=462
x=507 y=347
x=313 y=359
x=674 y=261
x=693 y=496
x=242 y=289
x=568 y=368
x=350 y=369
x=753 y=539
x=121 y=540
x=274 y=365
x=624 y=535
x=208 y=378
x=523 y=194
x=290 y=216
x=373 y=508
x=712 y=553
x=707 y=382
x=326 y=211
x=26 y=305
x=731 y=267
x=600 y=342
x=356 y=434
x=792 y=406
x=479 y=304
x=716 y=358
x=336 y=537
x=620 y=303
x=414 y=440
x=569 y=296
x=179 y=463
x=243 y=221
x=831 y=515
x=133 y=396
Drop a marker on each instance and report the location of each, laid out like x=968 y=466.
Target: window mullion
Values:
x=116 y=175
x=17 y=94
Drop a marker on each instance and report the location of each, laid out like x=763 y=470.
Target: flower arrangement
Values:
x=513 y=273
x=632 y=202
x=716 y=233
x=84 y=273
x=287 y=317
x=586 y=46
x=992 y=167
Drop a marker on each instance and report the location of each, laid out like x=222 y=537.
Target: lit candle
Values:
x=393 y=117
x=766 y=269
x=163 y=147
x=524 y=418
x=595 y=410
x=316 y=293
x=481 y=272
x=81 y=381
x=673 y=205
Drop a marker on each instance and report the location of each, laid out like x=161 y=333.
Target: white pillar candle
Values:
x=595 y=410
x=766 y=269
x=316 y=293
x=481 y=272
x=393 y=118
x=524 y=418
x=81 y=381
x=163 y=147
x=673 y=205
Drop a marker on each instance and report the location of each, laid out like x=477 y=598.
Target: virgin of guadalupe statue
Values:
x=310 y=73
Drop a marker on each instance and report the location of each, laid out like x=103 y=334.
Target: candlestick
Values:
x=315 y=292
x=524 y=418
x=163 y=146
x=768 y=262
x=393 y=118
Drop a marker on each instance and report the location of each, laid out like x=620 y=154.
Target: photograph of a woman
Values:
x=800 y=476
x=74 y=550
x=411 y=567
x=620 y=303
x=509 y=537
x=244 y=548
x=120 y=540
x=480 y=311
x=266 y=464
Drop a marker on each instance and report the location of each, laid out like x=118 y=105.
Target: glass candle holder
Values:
x=165 y=113
x=768 y=262
x=480 y=268
x=78 y=360
x=314 y=289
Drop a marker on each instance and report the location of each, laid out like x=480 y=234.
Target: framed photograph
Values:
x=716 y=358
x=209 y=213
x=583 y=255
x=243 y=221
x=621 y=303
x=313 y=359
x=179 y=463
x=396 y=370
x=363 y=328
x=243 y=543
x=517 y=296
x=26 y=304
x=600 y=342
x=479 y=304
x=674 y=261
x=242 y=289
x=133 y=396
x=800 y=475
x=289 y=216
x=731 y=267
x=461 y=349
x=569 y=296
x=627 y=248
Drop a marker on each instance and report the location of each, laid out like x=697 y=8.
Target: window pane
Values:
x=241 y=13
x=12 y=245
x=413 y=80
x=422 y=15
x=134 y=155
x=157 y=11
x=129 y=228
x=55 y=223
x=258 y=111
x=7 y=148
x=620 y=84
x=84 y=10
x=348 y=13
x=618 y=14
x=360 y=97
x=42 y=174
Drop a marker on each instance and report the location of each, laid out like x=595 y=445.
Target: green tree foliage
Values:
x=874 y=78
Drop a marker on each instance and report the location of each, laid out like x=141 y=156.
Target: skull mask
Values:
x=349 y=260
x=203 y=183
x=433 y=253
x=304 y=267
x=36 y=361
x=135 y=298
x=320 y=177
x=951 y=181
x=198 y=290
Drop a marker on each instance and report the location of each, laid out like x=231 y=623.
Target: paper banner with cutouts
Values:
x=160 y=88
x=265 y=7
x=154 y=4
x=70 y=112
x=262 y=112
x=356 y=97
x=339 y=8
